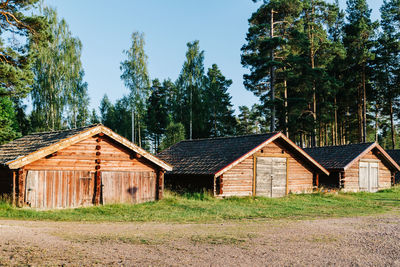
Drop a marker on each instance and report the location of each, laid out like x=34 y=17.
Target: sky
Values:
x=105 y=29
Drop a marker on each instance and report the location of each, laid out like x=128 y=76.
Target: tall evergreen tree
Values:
x=221 y=121
x=19 y=32
x=387 y=62
x=358 y=40
x=157 y=118
x=136 y=79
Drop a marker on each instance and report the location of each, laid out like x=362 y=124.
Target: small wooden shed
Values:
x=356 y=167
x=395 y=155
x=254 y=165
x=79 y=167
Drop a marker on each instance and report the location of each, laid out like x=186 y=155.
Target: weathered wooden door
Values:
x=271 y=176
x=128 y=187
x=368 y=176
x=59 y=189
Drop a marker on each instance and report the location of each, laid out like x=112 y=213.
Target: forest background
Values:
x=322 y=75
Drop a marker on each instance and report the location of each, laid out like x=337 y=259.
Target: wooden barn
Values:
x=356 y=167
x=79 y=167
x=395 y=155
x=263 y=165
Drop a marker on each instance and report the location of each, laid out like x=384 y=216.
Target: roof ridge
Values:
x=66 y=130
x=227 y=137
x=364 y=143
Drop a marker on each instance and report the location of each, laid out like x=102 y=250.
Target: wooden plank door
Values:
x=363 y=177
x=373 y=176
x=368 y=178
x=271 y=177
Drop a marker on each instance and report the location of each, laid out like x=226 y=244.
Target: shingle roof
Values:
x=208 y=156
x=337 y=157
x=394 y=154
x=32 y=142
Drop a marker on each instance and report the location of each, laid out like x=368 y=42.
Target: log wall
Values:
x=351 y=180
x=95 y=170
x=239 y=180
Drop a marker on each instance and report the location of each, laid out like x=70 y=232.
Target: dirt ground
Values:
x=361 y=241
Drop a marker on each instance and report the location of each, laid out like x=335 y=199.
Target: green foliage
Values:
x=174 y=133
x=59 y=94
x=219 y=111
x=200 y=207
x=8 y=122
x=157 y=117
x=136 y=79
x=190 y=85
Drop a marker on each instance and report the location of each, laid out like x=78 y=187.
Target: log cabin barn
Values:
x=254 y=165
x=395 y=155
x=356 y=167
x=79 y=167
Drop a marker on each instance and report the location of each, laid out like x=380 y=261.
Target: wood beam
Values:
x=97 y=191
x=21 y=187
x=160 y=185
x=14 y=174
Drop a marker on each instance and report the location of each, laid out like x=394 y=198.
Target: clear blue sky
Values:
x=104 y=27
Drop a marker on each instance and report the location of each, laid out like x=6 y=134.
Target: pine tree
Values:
x=358 y=41
x=157 y=118
x=387 y=62
x=221 y=121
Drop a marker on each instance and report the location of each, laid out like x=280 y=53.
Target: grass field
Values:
x=203 y=208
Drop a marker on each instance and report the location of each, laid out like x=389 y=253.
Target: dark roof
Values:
x=337 y=157
x=208 y=156
x=30 y=143
x=394 y=154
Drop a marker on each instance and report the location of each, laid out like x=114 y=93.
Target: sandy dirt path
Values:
x=360 y=241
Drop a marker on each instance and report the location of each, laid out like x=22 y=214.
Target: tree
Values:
x=190 y=84
x=265 y=53
x=157 y=118
x=221 y=121
x=358 y=41
x=94 y=118
x=387 y=62
x=136 y=78
x=175 y=133
x=19 y=31
x=59 y=95
x=16 y=76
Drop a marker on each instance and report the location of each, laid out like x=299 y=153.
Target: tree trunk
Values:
x=393 y=129
x=272 y=81
x=286 y=105
x=360 y=116
x=335 y=131
x=364 y=106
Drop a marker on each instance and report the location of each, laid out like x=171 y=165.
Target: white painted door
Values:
x=368 y=178
x=271 y=177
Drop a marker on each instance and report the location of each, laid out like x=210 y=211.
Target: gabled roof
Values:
x=394 y=154
x=343 y=156
x=29 y=148
x=214 y=156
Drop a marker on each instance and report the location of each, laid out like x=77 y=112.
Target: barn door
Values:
x=271 y=177
x=31 y=188
x=368 y=177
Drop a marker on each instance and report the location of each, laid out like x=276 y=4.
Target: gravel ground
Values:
x=360 y=241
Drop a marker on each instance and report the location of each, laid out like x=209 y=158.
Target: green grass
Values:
x=203 y=208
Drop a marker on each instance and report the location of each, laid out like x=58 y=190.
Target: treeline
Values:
x=325 y=76
x=196 y=105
